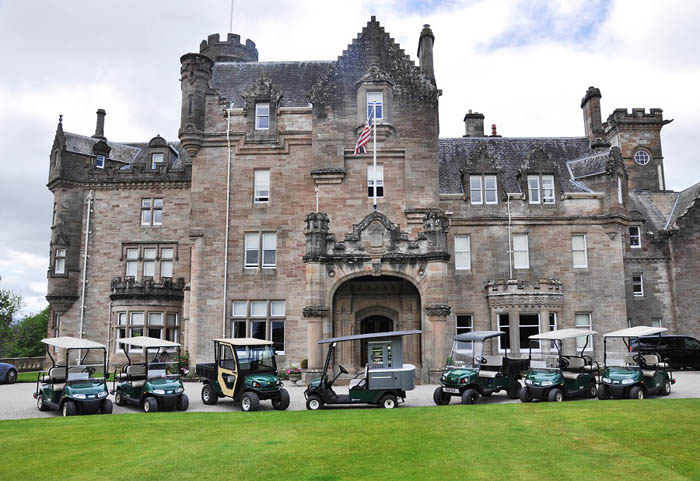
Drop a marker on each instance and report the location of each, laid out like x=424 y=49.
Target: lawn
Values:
x=653 y=439
x=31 y=376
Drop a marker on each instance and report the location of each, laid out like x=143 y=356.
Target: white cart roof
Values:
x=145 y=341
x=636 y=331
x=67 y=342
x=562 y=334
x=245 y=341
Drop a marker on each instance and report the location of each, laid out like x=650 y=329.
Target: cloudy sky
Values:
x=524 y=63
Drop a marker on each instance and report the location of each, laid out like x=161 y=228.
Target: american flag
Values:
x=363 y=140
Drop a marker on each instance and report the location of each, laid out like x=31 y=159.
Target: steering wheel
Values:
x=482 y=360
x=563 y=363
x=342 y=369
x=640 y=359
x=89 y=370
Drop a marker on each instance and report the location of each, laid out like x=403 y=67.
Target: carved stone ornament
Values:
x=261 y=89
x=375 y=74
x=315 y=311
x=438 y=310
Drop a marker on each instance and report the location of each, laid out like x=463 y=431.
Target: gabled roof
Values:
x=686 y=200
x=654 y=207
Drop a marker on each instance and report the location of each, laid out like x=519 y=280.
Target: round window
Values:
x=642 y=157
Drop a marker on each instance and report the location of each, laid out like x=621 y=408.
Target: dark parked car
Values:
x=8 y=373
x=682 y=352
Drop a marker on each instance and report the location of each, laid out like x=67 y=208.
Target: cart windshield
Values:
x=544 y=360
x=88 y=368
x=465 y=355
x=256 y=358
x=617 y=353
x=162 y=362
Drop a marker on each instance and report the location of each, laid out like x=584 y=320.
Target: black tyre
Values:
x=636 y=392
x=666 y=390
x=514 y=390
x=68 y=409
x=150 y=405
x=525 y=395
x=470 y=396
x=440 y=397
x=555 y=395
x=250 y=402
x=11 y=376
x=183 y=402
x=603 y=392
x=40 y=403
x=282 y=401
x=388 y=401
x=314 y=403
x=119 y=398
x=209 y=397
x=592 y=390
x=106 y=407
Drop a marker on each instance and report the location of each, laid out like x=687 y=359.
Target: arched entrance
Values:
x=370 y=304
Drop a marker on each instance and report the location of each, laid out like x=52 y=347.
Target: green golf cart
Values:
x=154 y=383
x=244 y=370
x=556 y=377
x=383 y=381
x=469 y=374
x=77 y=388
x=629 y=374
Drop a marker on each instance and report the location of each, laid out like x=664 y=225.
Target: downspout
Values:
x=510 y=239
x=85 y=259
x=109 y=333
x=228 y=207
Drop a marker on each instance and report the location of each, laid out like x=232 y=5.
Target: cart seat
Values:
x=662 y=365
x=488 y=374
x=589 y=368
x=493 y=361
x=121 y=376
x=139 y=383
x=360 y=380
x=651 y=359
x=135 y=371
x=570 y=375
x=575 y=363
x=55 y=375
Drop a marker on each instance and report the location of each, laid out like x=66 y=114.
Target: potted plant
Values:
x=294 y=373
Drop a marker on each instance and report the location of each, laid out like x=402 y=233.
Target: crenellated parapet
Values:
x=229 y=50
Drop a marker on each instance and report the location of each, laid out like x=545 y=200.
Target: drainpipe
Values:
x=85 y=259
x=109 y=334
x=228 y=207
x=510 y=239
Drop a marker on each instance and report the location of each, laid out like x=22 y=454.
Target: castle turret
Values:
x=425 y=51
x=229 y=51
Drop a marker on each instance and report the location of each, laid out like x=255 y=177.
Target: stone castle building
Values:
x=260 y=221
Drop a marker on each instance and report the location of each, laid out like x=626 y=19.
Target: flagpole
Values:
x=374 y=152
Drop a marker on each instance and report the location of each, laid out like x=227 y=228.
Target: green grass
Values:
x=653 y=439
x=31 y=376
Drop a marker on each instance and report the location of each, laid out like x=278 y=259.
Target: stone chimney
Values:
x=425 y=51
x=474 y=124
x=592 y=122
x=100 y=125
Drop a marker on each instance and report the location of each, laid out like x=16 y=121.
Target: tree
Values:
x=28 y=333
x=10 y=303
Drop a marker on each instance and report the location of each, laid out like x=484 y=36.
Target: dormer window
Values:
x=156 y=159
x=375 y=105
x=540 y=189
x=100 y=161
x=483 y=189
x=262 y=116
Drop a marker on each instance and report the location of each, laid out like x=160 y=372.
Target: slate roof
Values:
x=511 y=154
x=655 y=207
x=293 y=79
x=128 y=153
x=686 y=200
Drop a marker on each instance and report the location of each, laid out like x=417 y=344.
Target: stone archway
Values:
x=374 y=304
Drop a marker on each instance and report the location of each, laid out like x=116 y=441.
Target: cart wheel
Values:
x=150 y=405
x=106 y=407
x=183 y=402
x=250 y=402
x=636 y=392
x=440 y=397
x=525 y=395
x=388 y=401
x=592 y=390
x=68 y=409
x=667 y=388
x=514 y=390
x=603 y=392
x=470 y=396
x=40 y=403
x=282 y=401
x=556 y=395
x=11 y=376
x=314 y=403
x=119 y=398
x=209 y=397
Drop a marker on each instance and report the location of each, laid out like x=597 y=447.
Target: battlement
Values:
x=637 y=116
x=230 y=50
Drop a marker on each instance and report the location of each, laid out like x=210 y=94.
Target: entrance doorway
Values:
x=371 y=325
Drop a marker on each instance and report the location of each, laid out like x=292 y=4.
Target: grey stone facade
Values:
x=438 y=254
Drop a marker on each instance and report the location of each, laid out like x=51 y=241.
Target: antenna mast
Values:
x=230 y=24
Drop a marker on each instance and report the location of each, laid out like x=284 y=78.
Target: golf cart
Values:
x=633 y=375
x=384 y=379
x=244 y=370
x=77 y=388
x=556 y=377
x=469 y=374
x=154 y=383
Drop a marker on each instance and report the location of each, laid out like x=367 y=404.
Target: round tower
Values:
x=230 y=50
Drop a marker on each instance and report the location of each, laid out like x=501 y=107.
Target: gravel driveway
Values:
x=16 y=401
